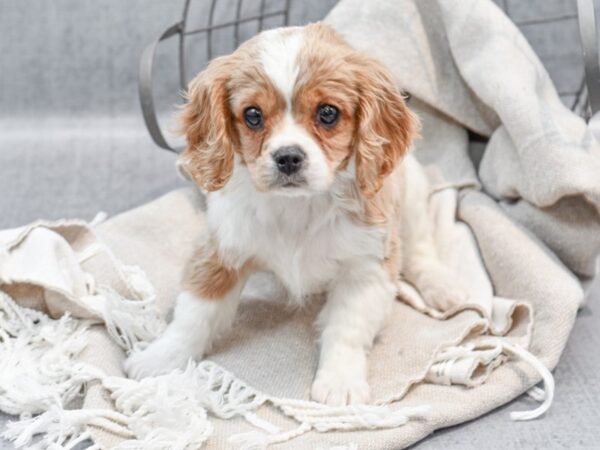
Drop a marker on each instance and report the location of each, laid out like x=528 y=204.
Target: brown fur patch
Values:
x=208 y=120
x=386 y=126
x=325 y=79
x=375 y=123
x=207 y=276
x=252 y=88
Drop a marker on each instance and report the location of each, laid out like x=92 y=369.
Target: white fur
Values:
x=358 y=304
x=315 y=171
x=311 y=245
x=196 y=324
x=304 y=240
x=422 y=267
x=279 y=51
x=309 y=240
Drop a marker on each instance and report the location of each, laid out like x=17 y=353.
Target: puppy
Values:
x=300 y=142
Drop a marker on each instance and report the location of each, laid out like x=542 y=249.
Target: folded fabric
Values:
x=521 y=232
x=271 y=348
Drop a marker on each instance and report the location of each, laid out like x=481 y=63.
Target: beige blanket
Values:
x=522 y=231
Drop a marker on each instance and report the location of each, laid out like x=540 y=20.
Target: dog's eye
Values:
x=327 y=115
x=253 y=117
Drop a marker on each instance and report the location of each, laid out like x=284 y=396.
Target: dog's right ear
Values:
x=207 y=123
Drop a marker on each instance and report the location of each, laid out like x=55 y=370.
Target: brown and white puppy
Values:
x=298 y=140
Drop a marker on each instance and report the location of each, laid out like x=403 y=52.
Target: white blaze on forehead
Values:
x=279 y=50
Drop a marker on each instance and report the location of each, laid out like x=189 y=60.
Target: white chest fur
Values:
x=305 y=241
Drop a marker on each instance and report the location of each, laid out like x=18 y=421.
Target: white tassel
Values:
x=255 y=440
x=325 y=418
x=466 y=364
x=351 y=446
x=158 y=413
x=261 y=423
x=100 y=217
x=162 y=406
x=252 y=440
x=60 y=428
x=547 y=394
x=488 y=353
x=536 y=393
x=37 y=359
x=164 y=412
x=133 y=320
x=127 y=321
x=224 y=395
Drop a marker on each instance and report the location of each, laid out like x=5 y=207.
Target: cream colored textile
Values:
x=519 y=232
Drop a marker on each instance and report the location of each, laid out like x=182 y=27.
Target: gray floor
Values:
x=72 y=143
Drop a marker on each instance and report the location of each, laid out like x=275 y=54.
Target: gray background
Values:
x=72 y=143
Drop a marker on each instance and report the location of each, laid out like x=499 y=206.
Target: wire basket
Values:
x=582 y=95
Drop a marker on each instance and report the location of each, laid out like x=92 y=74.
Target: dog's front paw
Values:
x=441 y=290
x=338 y=388
x=160 y=357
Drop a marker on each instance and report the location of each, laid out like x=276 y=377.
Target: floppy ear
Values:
x=386 y=127
x=207 y=124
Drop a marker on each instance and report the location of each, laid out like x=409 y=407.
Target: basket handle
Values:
x=145 y=88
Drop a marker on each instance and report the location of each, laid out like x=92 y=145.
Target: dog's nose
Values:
x=289 y=159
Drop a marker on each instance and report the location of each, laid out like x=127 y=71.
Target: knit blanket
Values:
x=521 y=230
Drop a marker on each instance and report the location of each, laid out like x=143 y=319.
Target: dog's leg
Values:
x=204 y=310
x=421 y=265
x=357 y=307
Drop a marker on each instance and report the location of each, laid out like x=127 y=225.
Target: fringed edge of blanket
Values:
x=156 y=412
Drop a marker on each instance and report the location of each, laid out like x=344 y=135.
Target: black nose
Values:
x=289 y=159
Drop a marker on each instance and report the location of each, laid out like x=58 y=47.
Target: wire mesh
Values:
x=568 y=74
x=213 y=24
x=575 y=95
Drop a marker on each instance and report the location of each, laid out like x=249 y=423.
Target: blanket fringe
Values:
x=62 y=429
x=206 y=387
x=40 y=375
x=165 y=411
x=485 y=356
x=325 y=418
x=255 y=440
x=547 y=394
x=127 y=321
x=37 y=359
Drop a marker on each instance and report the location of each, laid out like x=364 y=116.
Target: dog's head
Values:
x=296 y=106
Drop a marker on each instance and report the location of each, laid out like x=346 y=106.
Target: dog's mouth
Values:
x=290 y=185
x=290 y=181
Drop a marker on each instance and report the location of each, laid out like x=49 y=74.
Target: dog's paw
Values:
x=338 y=388
x=441 y=289
x=160 y=357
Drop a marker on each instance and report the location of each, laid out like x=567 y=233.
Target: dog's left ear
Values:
x=386 y=127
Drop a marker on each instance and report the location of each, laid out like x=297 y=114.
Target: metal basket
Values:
x=184 y=31
x=585 y=100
